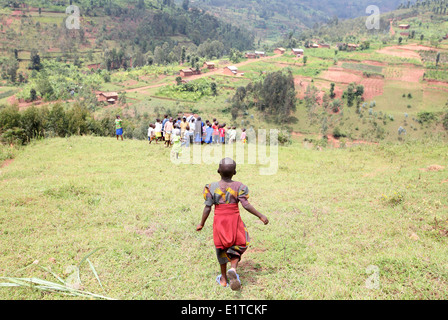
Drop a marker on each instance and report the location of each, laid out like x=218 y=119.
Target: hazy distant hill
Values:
x=307 y=12
x=350 y=8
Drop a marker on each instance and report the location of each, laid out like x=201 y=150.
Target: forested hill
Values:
x=305 y=12
x=146 y=24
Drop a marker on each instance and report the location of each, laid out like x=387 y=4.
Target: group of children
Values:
x=185 y=131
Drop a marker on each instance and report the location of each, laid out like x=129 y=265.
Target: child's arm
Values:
x=205 y=215
x=250 y=208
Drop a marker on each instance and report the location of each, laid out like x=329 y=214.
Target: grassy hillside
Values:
x=343 y=211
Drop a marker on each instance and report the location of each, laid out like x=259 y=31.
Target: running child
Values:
x=151 y=133
x=230 y=235
x=119 y=127
x=232 y=135
x=222 y=133
x=243 y=138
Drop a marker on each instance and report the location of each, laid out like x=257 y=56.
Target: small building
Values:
x=404 y=26
x=314 y=46
x=186 y=72
x=209 y=65
x=352 y=47
x=297 y=51
x=94 y=66
x=189 y=72
x=110 y=97
x=324 y=45
x=405 y=34
x=279 y=50
x=260 y=53
x=251 y=55
x=231 y=70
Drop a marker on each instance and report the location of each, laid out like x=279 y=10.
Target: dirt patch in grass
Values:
x=434 y=167
x=336 y=143
x=6 y=163
x=399 y=51
x=339 y=75
x=375 y=63
x=405 y=74
x=373 y=87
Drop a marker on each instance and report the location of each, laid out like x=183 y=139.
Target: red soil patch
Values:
x=341 y=76
x=406 y=74
x=437 y=82
x=434 y=167
x=6 y=163
x=416 y=47
x=398 y=51
x=373 y=87
x=375 y=63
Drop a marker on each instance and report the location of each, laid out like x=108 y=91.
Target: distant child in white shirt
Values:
x=158 y=130
x=232 y=135
x=151 y=133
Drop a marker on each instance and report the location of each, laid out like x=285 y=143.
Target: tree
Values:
x=214 y=89
x=33 y=94
x=332 y=93
x=9 y=69
x=186 y=5
x=305 y=59
x=437 y=59
x=35 y=63
x=141 y=4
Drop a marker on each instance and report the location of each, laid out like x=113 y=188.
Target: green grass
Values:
x=329 y=220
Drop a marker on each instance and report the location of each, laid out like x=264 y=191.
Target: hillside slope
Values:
x=341 y=212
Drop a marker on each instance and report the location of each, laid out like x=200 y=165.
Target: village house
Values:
x=260 y=53
x=352 y=47
x=404 y=26
x=314 y=46
x=324 y=45
x=94 y=66
x=231 y=70
x=297 y=51
x=279 y=50
x=110 y=97
x=189 y=72
x=251 y=55
x=209 y=65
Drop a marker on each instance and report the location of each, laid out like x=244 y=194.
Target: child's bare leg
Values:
x=234 y=262
x=232 y=275
x=223 y=275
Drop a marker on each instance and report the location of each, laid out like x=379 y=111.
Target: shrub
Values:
x=445 y=121
x=426 y=117
x=337 y=133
